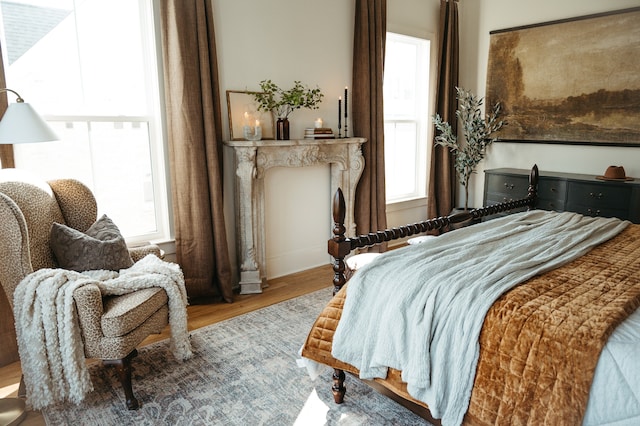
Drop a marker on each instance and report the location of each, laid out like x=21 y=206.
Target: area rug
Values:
x=244 y=372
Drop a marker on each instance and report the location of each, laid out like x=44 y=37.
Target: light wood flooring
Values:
x=279 y=289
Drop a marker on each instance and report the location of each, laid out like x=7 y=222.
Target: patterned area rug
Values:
x=243 y=372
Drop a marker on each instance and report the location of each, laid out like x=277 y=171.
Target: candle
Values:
x=346 y=107
x=258 y=129
x=339 y=111
x=318 y=123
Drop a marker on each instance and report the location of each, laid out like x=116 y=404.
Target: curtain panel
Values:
x=9 y=347
x=442 y=175
x=6 y=151
x=194 y=124
x=367 y=111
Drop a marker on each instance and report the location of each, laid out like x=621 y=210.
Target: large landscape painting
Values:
x=575 y=81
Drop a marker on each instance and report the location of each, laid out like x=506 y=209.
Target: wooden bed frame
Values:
x=340 y=246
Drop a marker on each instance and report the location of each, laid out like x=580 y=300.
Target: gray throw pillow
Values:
x=101 y=247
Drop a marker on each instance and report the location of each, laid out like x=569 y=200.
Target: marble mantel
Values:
x=253 y=159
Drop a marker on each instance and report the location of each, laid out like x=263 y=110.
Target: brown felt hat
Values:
x=615 y=173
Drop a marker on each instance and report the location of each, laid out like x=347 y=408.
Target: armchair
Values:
x=111 y=326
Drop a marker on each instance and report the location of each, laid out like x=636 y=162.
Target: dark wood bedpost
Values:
x=533 y=185
x=338 y=247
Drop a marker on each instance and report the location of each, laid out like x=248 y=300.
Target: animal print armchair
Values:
x=111 y=326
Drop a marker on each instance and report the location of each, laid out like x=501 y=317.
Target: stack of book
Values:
x=319 y=133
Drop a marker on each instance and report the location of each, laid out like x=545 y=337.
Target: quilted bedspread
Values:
x=540 y=341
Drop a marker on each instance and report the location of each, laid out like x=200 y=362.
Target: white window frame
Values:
x=149 y=16
x=422 y=120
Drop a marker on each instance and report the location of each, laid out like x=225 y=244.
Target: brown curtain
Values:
x=6 y=151
x=194 y=124
x=9 y=347
x=368 y=118
x=442 y=177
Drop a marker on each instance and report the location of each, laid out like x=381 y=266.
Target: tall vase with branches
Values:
x=477 y=131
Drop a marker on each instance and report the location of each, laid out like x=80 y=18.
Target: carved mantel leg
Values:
x=250 y=276
x=345 y=175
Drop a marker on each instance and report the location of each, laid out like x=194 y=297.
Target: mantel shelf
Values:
x=294 y=142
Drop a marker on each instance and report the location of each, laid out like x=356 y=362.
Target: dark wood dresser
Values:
x=567 y=192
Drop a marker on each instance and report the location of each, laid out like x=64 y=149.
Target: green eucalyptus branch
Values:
x=476 y=130
x=284 y=102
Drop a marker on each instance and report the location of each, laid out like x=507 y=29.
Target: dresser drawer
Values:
x=598 y=211
x=550 y=204
x=541 y=203
x=511 y=187
x=499 y=198
x=596 y=196
x=552 y=189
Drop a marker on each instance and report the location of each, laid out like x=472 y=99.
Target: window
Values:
x=406 y=116
x=89 y=68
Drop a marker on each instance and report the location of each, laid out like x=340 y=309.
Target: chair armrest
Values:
x=139 y=252
x=15 y=260
x=89 y=307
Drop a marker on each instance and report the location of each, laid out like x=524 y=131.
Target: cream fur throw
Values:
x=49 y=337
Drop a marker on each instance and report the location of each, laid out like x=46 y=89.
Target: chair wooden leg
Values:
x=123 y=368
x=22 y=388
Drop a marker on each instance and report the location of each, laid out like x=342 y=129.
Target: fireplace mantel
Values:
x=253 y=159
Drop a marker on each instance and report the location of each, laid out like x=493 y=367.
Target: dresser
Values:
x=557 y=191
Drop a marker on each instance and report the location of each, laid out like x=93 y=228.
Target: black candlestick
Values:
x=339 y=117
x=346 y=111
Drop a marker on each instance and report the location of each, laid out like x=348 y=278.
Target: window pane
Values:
x=406 y=98
x=112 y=158
x=85 y=61
x=401 y=140
x=400 y=81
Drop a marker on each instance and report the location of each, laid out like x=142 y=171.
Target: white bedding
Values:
x=614 y=398
x=444 y=320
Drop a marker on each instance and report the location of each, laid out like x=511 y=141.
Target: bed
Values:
x=556 y=344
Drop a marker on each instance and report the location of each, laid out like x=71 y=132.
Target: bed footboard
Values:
x=340 y=246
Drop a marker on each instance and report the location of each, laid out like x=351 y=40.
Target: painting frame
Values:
x=551 y=94
x=241 y=101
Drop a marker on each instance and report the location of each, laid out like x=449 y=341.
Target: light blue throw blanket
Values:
x=420 y=309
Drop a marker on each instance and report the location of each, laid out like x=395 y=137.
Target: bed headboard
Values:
x=340 y=246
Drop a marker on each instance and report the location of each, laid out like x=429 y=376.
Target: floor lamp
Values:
x=20 y=124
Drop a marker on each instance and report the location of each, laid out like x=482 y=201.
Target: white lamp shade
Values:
x=22 y=124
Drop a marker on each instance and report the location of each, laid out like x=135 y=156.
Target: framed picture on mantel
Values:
x=240 y=106
x=573 y=81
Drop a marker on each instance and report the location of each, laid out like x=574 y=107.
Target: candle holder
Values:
x=252 y=133
x=251 y=128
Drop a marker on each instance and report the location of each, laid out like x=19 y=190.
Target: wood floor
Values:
x=279 y=289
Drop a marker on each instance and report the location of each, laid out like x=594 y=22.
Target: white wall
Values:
x=477 y=19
